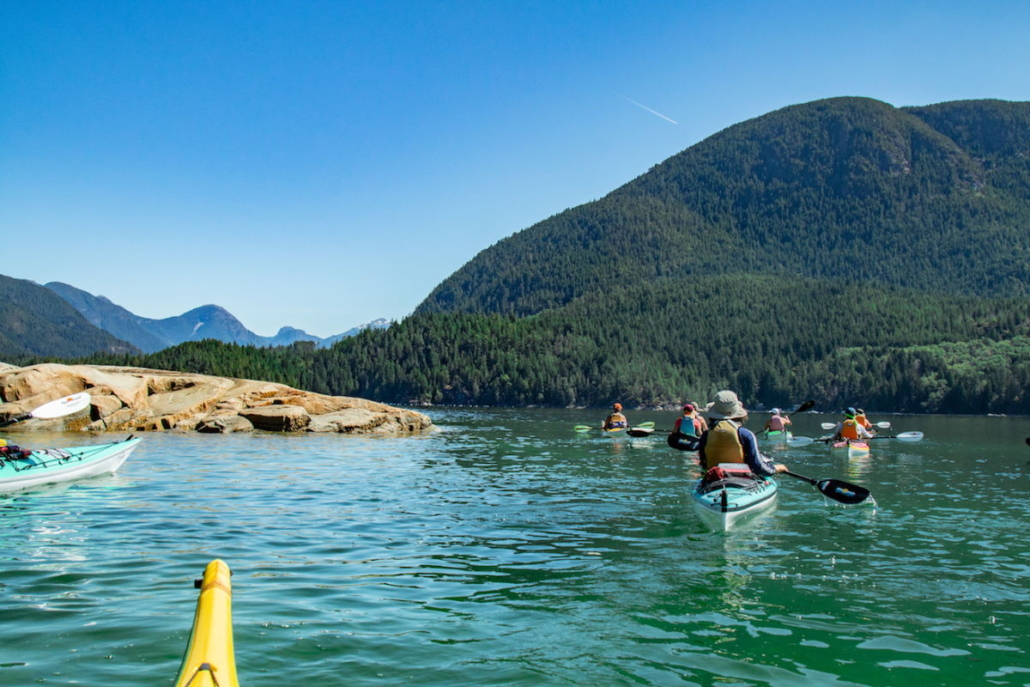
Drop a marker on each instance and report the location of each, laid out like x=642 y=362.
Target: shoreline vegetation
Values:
x=913 y=353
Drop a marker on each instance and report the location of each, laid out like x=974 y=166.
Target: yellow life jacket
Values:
x=849 y=430
x=615 y=420
x=723 y=444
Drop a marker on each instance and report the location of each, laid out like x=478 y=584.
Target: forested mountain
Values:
x=935 y=198
x=843 y=250
x=36 y=322
x=657 y=344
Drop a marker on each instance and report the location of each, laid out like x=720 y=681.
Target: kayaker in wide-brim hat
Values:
x=727 y=441
x=726 y=406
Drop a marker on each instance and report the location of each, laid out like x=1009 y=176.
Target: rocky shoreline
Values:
x=143 y=400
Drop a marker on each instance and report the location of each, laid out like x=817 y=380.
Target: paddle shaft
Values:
x=15 y=420
x=801 y=477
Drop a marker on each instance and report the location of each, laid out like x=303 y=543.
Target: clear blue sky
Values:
x=321 y=164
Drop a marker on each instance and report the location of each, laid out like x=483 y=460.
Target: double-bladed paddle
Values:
x=842 y=492
x=53 y=409
x=904 y=436
x=644 y=427
x=881 y=425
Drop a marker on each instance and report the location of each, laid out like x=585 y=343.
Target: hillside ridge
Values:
x=933 y=198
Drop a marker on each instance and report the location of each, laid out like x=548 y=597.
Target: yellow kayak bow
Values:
x=209 y=660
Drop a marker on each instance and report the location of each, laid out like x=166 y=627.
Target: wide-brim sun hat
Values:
x=726 y=406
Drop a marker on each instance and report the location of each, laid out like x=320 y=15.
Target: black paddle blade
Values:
x=1028 y=441
x=842 y=492
x=807 y=405
x=681 y=442
x=640 y=432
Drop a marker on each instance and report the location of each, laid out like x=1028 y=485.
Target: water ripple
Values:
x=508 y=549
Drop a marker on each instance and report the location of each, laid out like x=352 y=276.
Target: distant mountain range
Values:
x=63 y=321
x=205 y=322
x=36 y=322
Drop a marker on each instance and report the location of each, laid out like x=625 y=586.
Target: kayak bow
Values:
x=210 y=660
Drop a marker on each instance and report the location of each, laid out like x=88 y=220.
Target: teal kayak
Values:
x=24 y=469
x=777 y=435
x=731 y=492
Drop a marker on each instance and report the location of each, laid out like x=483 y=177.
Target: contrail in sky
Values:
x=645 y=107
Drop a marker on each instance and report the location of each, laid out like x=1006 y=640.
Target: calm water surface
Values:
x=508 y=550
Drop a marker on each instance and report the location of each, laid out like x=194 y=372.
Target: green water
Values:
x=508 y=550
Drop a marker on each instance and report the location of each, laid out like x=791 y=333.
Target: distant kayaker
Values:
x=849 y=429
x=776 y=422
x=689 y=424
x=616 y=420
x=861 y=419
x=728 y=441
x=699 y=417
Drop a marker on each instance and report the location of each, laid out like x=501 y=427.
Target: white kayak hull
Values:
x=50 y=466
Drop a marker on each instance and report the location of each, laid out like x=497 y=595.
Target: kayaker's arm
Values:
x=756 y=461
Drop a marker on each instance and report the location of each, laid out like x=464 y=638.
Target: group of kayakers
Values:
x=723 y=438
x=855 y=426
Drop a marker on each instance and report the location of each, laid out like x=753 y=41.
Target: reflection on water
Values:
x=508 y=549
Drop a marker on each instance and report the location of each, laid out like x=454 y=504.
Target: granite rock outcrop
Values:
x=139 y=399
